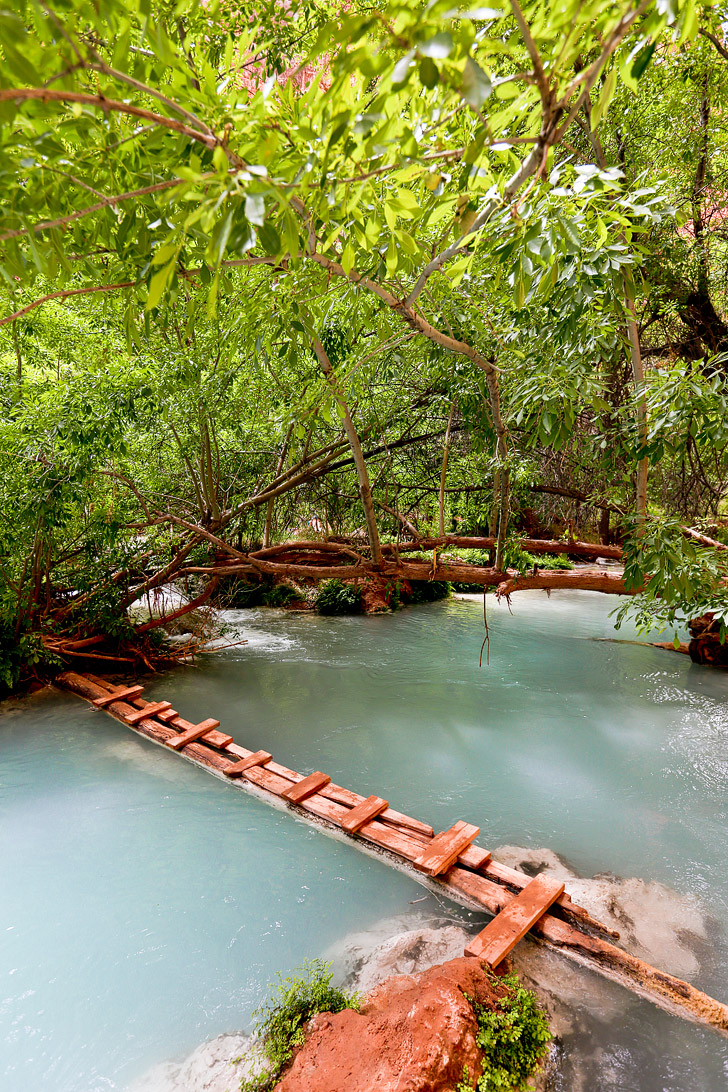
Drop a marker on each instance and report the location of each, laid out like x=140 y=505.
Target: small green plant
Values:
x=514 y=1038
x=280 y=1022
x=336 y=597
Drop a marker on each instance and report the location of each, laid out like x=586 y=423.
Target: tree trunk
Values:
x=638 y=375
x=443 y=474
x=365 y=489
x=279 y=468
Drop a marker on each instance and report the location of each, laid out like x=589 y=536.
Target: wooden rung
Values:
x=193 y=733
x=445 y=848
x=363 y=813
x=238 y=768
x=474 y=857
x=307 y=787
x=169 y=716
x=221 y=740
x=503 y=933
x=149 y=710
x=121 y=694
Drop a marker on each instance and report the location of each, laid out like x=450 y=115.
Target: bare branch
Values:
x=43 y=94
x=64 y=295
x=106 y=202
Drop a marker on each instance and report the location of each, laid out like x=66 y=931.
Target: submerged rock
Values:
x=216 y=1066
x=415 y=1033
x=655 y=923
x=408 y=944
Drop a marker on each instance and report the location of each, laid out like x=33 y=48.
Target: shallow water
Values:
x=144 y=906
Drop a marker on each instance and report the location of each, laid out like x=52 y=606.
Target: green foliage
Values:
x=335 y=597
x=517 y=558
x=676 y=579
x=514 y=1038
x=428 y=591
x=18 y=653
x=280 y=1022
x=246 y=215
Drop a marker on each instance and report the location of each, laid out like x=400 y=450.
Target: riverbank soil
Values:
x=414 y=1032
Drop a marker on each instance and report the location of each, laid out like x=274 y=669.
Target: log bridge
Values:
x=449 y=862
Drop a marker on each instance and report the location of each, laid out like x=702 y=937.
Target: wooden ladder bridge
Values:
x=449 y=861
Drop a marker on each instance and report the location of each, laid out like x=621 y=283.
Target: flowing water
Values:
x=144 y=905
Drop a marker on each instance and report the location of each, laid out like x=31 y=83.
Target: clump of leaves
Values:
x=280 y=1022
x=674 y=579
x=335 y=597
x=514 y=1038
x=429 y=591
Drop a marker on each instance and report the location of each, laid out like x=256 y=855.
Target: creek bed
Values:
x=144 y=906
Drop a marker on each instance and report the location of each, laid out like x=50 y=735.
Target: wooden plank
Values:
x=407 y=823
x=197 y=731
x=363 y=813
x=503 y=933
x=444 y=850
x=237 y=769
x=122 y=694
x=307 y=787
x=149 y=710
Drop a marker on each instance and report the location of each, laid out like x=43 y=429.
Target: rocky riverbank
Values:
x=413 y=965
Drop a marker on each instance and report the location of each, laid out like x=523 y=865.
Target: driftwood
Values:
x=485 y=886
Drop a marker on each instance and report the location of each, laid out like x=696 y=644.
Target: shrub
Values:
x=336 y=597
x=280 y=1022
x=428 y=591
x=19 y=656
x=280 y=594
x=514 y=1038
x=241 y=594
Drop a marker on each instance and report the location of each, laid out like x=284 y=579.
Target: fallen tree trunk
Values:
x=589 y=550
x=461 y=573
x=610 y=583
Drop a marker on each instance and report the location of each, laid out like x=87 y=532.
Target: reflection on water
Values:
x=144 y=905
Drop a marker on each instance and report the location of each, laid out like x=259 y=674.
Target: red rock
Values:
x=415 y=1033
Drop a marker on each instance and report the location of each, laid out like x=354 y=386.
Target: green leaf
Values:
x=476 y=86
x=255 y=208
x=429 y=75
x=689 y=22
x=602 y=104
x=348 y=259
x=401 y=70
x=642 y=59
x=392 y=258
x=157 y=285
x=440 y=46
